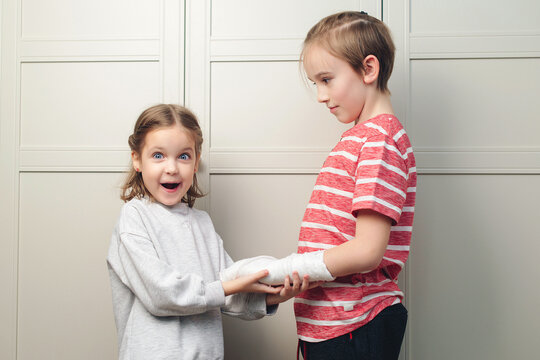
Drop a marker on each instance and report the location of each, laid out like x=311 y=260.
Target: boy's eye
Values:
x=325 y=80
x=157 y=156
x=184 y=157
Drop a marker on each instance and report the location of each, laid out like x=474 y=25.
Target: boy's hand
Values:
x=249 y=283
x=287 y=291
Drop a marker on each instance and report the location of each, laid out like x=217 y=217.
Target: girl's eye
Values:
x=325 y=80
x=184 y=157
x=158 y=156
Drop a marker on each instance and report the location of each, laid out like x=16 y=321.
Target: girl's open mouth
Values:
x=170 y=186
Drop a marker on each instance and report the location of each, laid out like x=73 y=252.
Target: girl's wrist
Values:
x=227 y=288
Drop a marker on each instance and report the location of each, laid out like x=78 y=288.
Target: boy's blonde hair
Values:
x=352 y=36
x=156 y=117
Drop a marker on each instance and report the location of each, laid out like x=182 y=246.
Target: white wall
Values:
x=465 y=85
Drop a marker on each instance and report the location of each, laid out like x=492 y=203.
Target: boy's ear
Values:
x=135 y=160
x=371 y=69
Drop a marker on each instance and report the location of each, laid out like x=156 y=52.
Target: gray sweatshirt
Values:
x=164 y=265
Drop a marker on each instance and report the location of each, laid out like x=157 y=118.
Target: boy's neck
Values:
x=377 y=103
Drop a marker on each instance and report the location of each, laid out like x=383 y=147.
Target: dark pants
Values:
x=380 y=339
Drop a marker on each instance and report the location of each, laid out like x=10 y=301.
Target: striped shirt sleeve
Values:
x=381 y=178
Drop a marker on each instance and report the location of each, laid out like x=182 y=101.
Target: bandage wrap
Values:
x=311 y=263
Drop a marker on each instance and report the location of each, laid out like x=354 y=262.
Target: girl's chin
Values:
x=170 y=199
x=171 y=203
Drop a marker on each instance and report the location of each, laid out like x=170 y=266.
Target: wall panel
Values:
x=268 y=210
x=65 y=307
x=272 y=103
x=473 y=256
x=82 y=104
x=256 y=215
x=479 y=16
x=98 y=19
x=474 y=103
x=242 y=18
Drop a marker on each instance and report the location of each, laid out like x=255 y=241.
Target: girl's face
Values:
x=168 y=163
x=338 y=86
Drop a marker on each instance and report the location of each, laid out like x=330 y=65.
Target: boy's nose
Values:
x=322 y=96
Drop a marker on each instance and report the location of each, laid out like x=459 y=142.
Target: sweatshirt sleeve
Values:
x=246 y=306
x=162 y=289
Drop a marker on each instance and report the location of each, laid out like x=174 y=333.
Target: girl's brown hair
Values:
x=352 y=36
x=156 y=117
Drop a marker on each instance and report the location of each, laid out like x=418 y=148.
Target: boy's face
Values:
x=168 y=163
x=338 y=86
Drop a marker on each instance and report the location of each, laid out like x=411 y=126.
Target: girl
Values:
x=165 y=256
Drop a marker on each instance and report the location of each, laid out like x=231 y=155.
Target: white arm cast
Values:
x=311 y=263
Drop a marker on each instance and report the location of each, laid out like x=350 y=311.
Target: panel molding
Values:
x=197 y=79
x=503 y=160
x=478 y=161
x=267 y=161
x=396 y=14
x=89 y=50
x=474 y=45
x=72 y=159
x=254 y=49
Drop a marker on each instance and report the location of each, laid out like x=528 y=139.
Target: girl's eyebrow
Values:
x=155 y=148
x=159 y=148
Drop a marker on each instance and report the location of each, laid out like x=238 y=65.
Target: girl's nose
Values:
x=171 y=167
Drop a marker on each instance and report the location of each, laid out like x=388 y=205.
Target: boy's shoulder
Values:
x=383 y=125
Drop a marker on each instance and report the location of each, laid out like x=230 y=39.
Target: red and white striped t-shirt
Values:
x=372 y=167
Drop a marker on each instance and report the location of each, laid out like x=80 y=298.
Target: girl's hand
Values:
x=287 y=291
x=249 y=283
